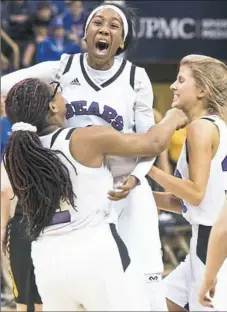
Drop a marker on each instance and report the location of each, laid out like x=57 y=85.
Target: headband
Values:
x=113 y=7
x=23 y=126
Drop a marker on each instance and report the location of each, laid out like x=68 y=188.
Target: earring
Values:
x=122 y=45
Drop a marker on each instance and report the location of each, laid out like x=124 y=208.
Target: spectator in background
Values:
x=41 y=20
x=73 y=21
x=53 y=47
x=58 y=6
x=19 y=22
x=42 y=17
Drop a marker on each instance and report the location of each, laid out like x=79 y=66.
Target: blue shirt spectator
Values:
x=54 y=46
x=58 y=6
x=6 y=130
x=74 y=18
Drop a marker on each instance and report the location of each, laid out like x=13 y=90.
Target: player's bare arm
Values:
x=202 y=143
x=216 y=255
x=97 y=141
x=45 y=71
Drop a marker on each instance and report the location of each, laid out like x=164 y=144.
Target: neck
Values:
x=47 y=130
x=196 y=114
x=104 y=66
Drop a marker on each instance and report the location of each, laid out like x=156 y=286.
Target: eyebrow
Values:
x=113 y=18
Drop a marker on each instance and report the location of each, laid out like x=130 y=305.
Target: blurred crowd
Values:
x=44 y=30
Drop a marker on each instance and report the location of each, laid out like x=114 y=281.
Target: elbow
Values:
x=197 y=198
x=158 y=146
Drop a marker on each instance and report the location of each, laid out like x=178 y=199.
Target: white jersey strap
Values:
x=132 y=76
x=68 y=64
x=54 y=137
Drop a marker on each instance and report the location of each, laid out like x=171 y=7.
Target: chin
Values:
x=176 y=104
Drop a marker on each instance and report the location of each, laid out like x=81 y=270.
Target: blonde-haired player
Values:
x=198 y=188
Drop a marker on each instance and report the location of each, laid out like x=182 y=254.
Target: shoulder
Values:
x=65 y=56
x=63 y=62
x=201 y=131
x=200 y=125
x=140 y=77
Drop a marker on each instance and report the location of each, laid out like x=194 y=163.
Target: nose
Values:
x=104 y=30
x=173 y=86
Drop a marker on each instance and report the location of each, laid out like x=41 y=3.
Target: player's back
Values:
x=90 y=186
x=208 y=210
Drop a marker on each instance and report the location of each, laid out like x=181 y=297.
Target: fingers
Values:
x=212 y=292
x=203 y=299
x=116 y=195
x=206 y=302
x=125 y=187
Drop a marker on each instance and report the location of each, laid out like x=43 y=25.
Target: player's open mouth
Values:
x=102 y=46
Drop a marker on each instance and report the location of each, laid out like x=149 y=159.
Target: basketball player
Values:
x=61 y=180
x=200 y=177
x=102 y=89
x=216 y=265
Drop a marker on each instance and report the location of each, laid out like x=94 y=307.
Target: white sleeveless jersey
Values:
x=122 y=101
x=90 y=186
x=209 y=209
x=111 y=103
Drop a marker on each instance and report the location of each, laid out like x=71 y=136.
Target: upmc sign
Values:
x=168 y=30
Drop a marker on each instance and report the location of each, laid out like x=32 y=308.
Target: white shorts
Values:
x=138 y=225
x=87 y=269
x=183 y=284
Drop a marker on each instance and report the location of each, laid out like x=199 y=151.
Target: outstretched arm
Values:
x=46 y=71
x=96 y=142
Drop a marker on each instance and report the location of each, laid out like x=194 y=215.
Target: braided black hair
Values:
x=38 y=177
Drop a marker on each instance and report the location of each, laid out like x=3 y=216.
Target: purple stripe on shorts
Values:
x=61 y=217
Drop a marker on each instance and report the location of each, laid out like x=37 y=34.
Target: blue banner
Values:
x=169 y=30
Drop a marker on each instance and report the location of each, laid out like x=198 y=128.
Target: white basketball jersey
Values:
x=90 y=186
x=110 y=103
x=209 y=209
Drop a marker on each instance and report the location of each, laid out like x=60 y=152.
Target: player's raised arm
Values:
x=98 y=140
x=45 y=71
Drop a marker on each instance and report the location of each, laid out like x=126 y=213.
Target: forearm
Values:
x=217 y=246
x=44 y=71
x=164 y=163
x=160 y=135
x=142 y=168
x=168 y=202
x=217 y=251
x=184 y=189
